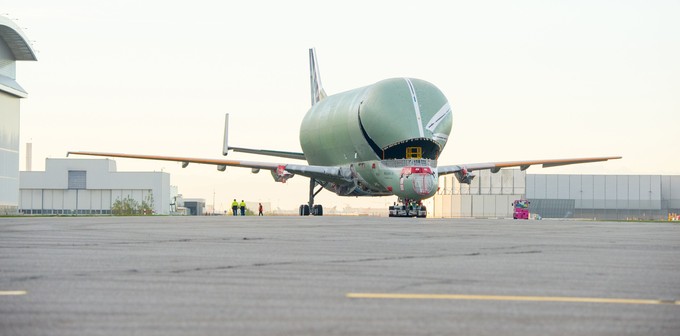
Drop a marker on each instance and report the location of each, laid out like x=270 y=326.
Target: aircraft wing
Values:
x=496 y=166
x=288 y=155
x=280 y=171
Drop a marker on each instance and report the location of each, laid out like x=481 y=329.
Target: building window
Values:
x=77 y=179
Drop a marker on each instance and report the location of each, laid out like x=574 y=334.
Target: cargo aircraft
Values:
x=378 y=140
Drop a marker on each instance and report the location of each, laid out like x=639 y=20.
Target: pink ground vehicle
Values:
x=521 y=209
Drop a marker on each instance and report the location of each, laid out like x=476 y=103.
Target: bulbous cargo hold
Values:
x=395 y=118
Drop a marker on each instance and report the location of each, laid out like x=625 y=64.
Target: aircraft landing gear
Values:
x=316 y=209
x=408 y=208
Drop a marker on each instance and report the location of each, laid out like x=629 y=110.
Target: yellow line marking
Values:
x=10 y=293
x=505 y=298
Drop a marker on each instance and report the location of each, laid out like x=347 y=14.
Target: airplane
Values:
x=383 y=139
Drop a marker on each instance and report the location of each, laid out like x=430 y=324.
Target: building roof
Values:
x=16 y=40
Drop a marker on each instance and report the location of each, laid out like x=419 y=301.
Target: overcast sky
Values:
x=526 y=80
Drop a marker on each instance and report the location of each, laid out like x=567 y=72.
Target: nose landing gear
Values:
x=408 y=208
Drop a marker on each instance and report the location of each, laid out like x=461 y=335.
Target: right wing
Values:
x=464 y=172
x=280 y=171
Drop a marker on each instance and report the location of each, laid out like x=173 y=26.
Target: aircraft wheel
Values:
x=317 y=210
x=304 y=210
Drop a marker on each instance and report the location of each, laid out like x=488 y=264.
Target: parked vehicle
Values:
x=521 y=209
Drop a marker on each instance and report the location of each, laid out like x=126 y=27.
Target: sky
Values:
x=525 y=79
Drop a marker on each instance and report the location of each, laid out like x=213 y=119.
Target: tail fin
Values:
x=315 y=81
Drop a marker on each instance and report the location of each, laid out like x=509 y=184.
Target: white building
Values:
x=14 y=46
x=90 y=186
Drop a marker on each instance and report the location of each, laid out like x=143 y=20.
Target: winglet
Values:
x=225 y=145
x=317 y=90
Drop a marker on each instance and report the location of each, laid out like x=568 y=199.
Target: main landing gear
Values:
x=408 y=208
x=316 y=209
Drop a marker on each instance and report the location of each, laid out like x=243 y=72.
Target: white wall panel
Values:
x=84 y=200
x=563 y=186
x=69 y=199
x=552 y=186
x=674 y=196
x=634 y=191
x=540 y=186
x=466 y=206
x=575 y=189
x=519 y=180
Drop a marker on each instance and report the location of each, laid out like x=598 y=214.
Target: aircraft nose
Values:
x=417 y=182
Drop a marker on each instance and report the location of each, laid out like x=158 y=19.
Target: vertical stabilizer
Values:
x=315 y=81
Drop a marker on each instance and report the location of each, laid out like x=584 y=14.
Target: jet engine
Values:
x=465 y=176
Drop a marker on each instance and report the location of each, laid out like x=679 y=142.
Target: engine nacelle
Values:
x=281 y=175
x=464 y=176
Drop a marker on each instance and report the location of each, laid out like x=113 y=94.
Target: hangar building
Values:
x=645 y=197
x=14 y=46
x=90 y=186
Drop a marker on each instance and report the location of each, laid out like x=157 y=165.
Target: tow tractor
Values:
x=408 y=208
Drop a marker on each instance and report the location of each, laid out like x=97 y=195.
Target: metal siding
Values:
x=25 y=200
x=507 y=181
x=36 y=196
x=84 y=197
x=58 y=199
x=621 y=192
x=69 y=200
x=575 y=189
x=529 y=187
x=106 y=200
x=599 y=192
x=564 y=186
x=674 y=196
x=588 y=192
x=519 y=181
x=634 y=191
x=552 y=186
x=540 y=186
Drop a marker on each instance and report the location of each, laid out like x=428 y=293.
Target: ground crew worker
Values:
x=234 y=207
x=260 y=210
x=243 y=208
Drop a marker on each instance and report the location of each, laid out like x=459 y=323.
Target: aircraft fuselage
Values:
x=388 y=135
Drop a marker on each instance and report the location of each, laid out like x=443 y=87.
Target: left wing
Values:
x=461 y=171
x=280 y=171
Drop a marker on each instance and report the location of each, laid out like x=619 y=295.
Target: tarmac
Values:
x=337 y=276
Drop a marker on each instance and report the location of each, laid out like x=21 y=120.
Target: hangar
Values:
x=91 y=187
x=14 y=46
x=613 y=197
